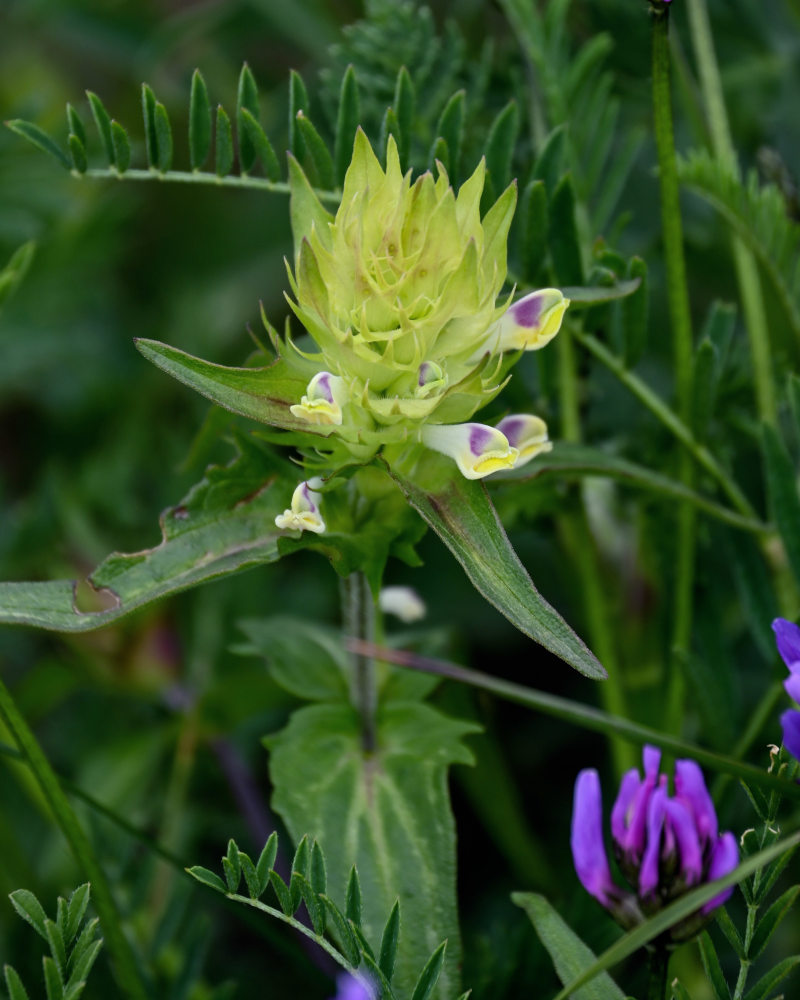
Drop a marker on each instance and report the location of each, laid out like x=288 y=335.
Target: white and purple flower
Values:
x=304 y=513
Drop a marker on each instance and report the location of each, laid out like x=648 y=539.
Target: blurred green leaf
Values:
x=39 y=138
x=261 y=145
x=224 y=150
x=15 y=270
x=122 y=148
x=500 y=145
x=347 y=121
x=102 y=120
x=246 y=100
x=150 y=130
x=199 y=122
x=565 y=247
x=781 y=477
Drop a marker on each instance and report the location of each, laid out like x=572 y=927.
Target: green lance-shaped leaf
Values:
x=549 y=162
x=163 y=138
x=224 y=158
x=299 y=867
x=635 y=314
x=199 y=122
x=30 y=909
x=565 y=247
x=298 y=101
x=586 y=296
x=387 y=812
x=225 y=524
x=102 y=120
x=76 y=910
x=12 y=275
x=713 y=969
x=500 y=145
x=265 y=861
x=16 y=991
x=40 y=139
x=441 y=152
x=389 y=126
x=318 y=873
x=704 y=371
x=781 y=477
x=389 y=940
x=206 y=877
x=764 y=987
x=461 y=513
x=344 y=932
x=570 y=956
x=768 y=924
x=264 y=394
x=250 y=876
x=149 y=118
x=347 y=120
x=52 y=980
x=75 y=125
x=321 y=159
x=232 y=866
x=532 y=229
x=261 y=145
x=122 y=147
x=430 y=974
x=57 y=949
x=451 y=129
x=352 y=897
x=404 y=104
x=246 y=99
x=282 y=893
x=81 y=967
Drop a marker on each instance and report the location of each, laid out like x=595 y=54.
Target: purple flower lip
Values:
x=665 y=844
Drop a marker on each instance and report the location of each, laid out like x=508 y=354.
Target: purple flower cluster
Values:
x=787 y=636
x=664 y=844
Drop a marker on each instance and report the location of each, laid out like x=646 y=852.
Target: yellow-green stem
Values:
x=128 y=975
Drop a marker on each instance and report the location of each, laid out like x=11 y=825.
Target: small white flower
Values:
x=530 y=323
x=303 y=515
x=478 y=450
x=402 y=602
x=325 y=396
x=526 y=433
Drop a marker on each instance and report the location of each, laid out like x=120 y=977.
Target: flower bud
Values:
x=303 y=515
x=478 y=450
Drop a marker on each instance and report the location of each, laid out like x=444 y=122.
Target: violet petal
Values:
x=681 y=821
x=690 y=786
x=787 y=636
x=621 y=811
x=724 y=859
x=649 y=871
x=790 y=720
x=586 y=838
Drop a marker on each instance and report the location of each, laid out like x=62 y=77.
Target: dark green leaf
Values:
x=30 y=909
x=713 y=969
x=232 y=866
x=318 y=874
x=122 y=148
x=770 y=980
x=704 y=370
x=769 y=922
x=532 y=222
x=570 y=956
x=298 y=101
x=225 y=524
x=320 y=155
x=410 y=858
x=347 y=119
x=85 y=942
x=635 y=314
x=500 y=145
x=246 y=99
x=12 y=274
x=282 y=893
x=82 y=968
x=207 y=878
x=585 y=296
x=39 y=138
x=163 y=138
x=565 y=248
x=352 y=901
x=451 y=129
x=199 y=122
x=261 y=145
x=679 y=991
x=52 y=980
x=404 y=105
x=719 y=327
x=265 y=861
x=16 y=991
x=57 y=948
x=224 y=148
x=363 y=944
x=440 y=152
x=299 y=867
x=343 y=933
x=784 y=502
x=389 y=126
x=389 y=939
x=315 y=907
x=254 y=889
x=75 y=125
x=102 y=120
x=149 y=117
x=461 y=513
x=548 y=164
x=430 y=974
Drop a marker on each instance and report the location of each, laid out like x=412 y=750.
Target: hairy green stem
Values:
x=582 y=715
x=359 y=623
x=202 y=177
x=680 y=317
x=127 y=973
x=574 y=525
x=670 y=420
x=744 y=261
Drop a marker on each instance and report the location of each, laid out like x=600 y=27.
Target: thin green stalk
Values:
x=581 y=715
x=670 y=420
x=359 y=623
x=680 y=317
x=744 y=261
x=201 y=177
x=575 y=527
x=128 y=976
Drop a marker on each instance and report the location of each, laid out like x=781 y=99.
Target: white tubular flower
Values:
x=477 y=449
x=303 y=515
x=527 y=433
x=325 y=396
x=402 y=602
x=530 y=323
